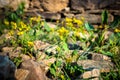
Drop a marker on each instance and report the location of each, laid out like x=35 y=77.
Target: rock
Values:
x=7 y=68
x=36 y=72
x=39 y=45
x=51 y=15
x=54 y=5
x=51 y=25
x=26 y=57
x=93 y=18
x=21 y=74
x=91 y=74
x=13 y=4
x=90 y=4
x=104 y=66
x=69 y=15
x=98 y=57
x=46 y=63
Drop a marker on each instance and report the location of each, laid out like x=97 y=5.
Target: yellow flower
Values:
x=20 y=33
x=6 y=22
x=30 y=44
x=68 y=20
x=63 y=31
x=22 y=25
x=52 y=29
x=62 y=77
x=78 y=22
x=37 y=19
x=11 y=33
x=69 y=24
x=117 y=30
x=14 y=25
x=77 y=34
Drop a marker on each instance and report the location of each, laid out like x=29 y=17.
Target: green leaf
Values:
x=58 y=63
x=107 y=53
x=47 y=28
x=53 y=71
x=104 y=17
x=115 y=23
x=65 y=46
x=88 y=26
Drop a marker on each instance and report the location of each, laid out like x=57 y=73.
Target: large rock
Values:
x=13 y=4
x=54 y=5
x=90 y=4
x=36 y=72
x=93 y=18
x=21 y=74
x=7 y=68
x=103 y=66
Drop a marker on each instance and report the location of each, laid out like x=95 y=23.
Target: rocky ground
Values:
x=36 y=68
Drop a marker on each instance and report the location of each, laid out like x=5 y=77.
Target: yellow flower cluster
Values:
x=6 y=22
x=20 y=27
x=14 y=25
x=63 y=32
x=37 y=19
x=117 y=30
x=30 y=44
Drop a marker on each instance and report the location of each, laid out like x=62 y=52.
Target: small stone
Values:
x=91 y=74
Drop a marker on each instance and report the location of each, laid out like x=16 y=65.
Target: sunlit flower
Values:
x=62 y=77
x=117 y=30
x=30 y=44
x=78 y=22
x=11 y=32
x=68 y=20
x=22 y=25
x=20 y=33
x=63 y=31
x=77 y=34
x=37 y=19
x=6 y=22
x=69 y=24
x=14 y=25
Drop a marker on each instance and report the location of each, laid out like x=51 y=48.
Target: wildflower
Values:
x=77 y=34
x=14 y=25
x=22 y=25
x=37 y=19
x=78 y=22
x=6 y=22
x=62 y=77
x=68 y=20
x=11 y=33
x=30 y=44
x=69 y=24
x=117 y=30
x=63 y=31
x=20 y=33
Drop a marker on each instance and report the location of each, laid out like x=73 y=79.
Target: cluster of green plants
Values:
x=24 y=31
